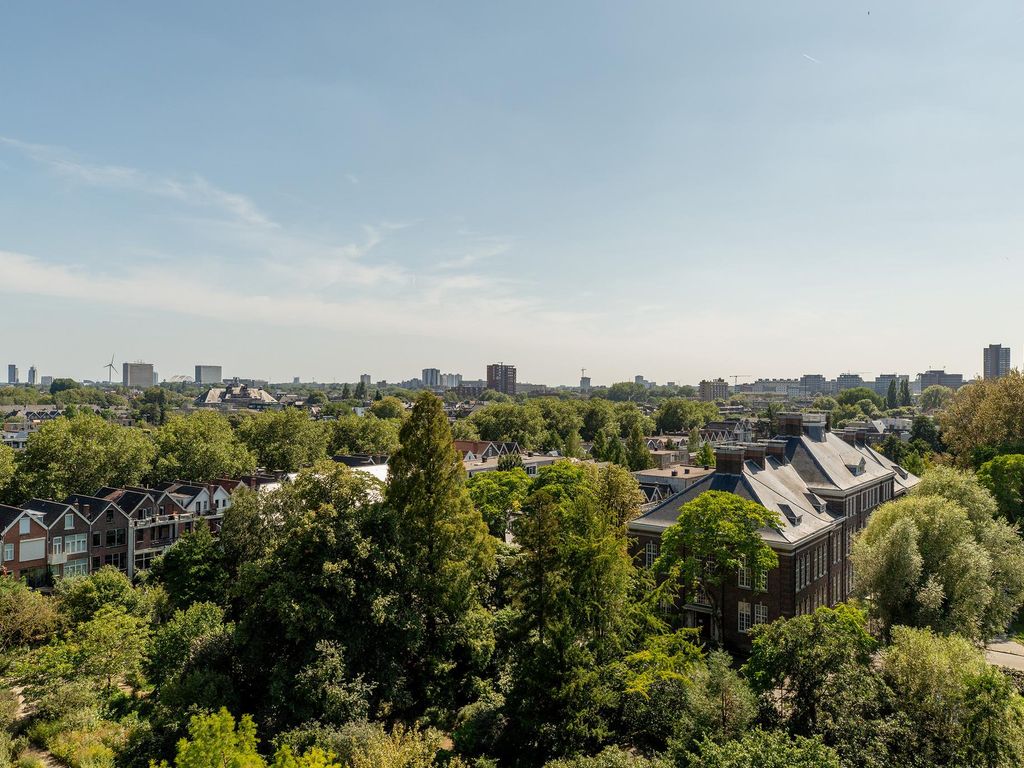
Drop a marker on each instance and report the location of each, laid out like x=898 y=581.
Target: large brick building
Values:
x=823 y=486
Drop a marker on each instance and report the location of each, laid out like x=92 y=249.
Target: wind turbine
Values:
x=111 y=370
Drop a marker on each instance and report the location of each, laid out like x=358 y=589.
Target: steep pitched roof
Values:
x=831 y=464
x=51 y=511
x=91 y=507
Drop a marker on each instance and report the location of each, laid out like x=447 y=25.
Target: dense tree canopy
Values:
x=286 y=440
x=200 y=447
x=985 y=419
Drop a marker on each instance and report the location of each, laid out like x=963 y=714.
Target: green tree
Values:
x=363 y=434
x=892 y=395
x=679 y=415
x=927 y=560
x=905 y=398
x=705 y=456
x=510 y=461
x=79 y=455
x=200 y=447
x=961 y=711
x=7 y=466
x=935 y=398
x=113 y=645
x=26 y=616
x=713 y=536
x=346 y=392
x=60 y=385
x=215 y=740
x=510 y=422
x=192 y=570
x=285 y=440
x=360 y=393
x=79 y=600
x=720 y=705
x=571 y=616
x=638 y=455
x=388 y=408
x=447 y=555
x=498 y=495
x=1003 y=476
x=598 y=416
x=765 y=749
x=924 y=430
x=855 y=394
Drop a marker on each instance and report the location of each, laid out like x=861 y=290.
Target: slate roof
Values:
x=8 y=515
x=96 y=504
x=777 y=487
x=831 y=464
x=51 y=511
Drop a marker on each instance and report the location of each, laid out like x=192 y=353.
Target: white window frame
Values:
x=25 y=526
x=744 y=576
x=651 y=551
x=76 y=568
x=69 y=522
x=58 y=545
x=76 y=544
x=761 y=581
x=8 y=553
x=760 y=613
x=743 y=617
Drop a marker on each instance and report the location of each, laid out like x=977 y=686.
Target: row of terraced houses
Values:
x=126 y=528
x=823 y=484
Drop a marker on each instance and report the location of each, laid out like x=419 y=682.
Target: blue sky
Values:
x=677 y=189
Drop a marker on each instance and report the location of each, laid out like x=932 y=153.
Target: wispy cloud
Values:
x=192 y=190
x=811 y=58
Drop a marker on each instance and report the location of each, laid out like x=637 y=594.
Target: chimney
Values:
x=848 y=435
x=675 y=473
x=791 y=424
x=754 y=452
x=729 y=459
x=776 y=448
x=815 y=426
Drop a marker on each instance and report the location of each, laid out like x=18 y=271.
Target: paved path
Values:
x=1003 y=652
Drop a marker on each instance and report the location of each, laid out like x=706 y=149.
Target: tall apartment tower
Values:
x=12 y=374
x=137 y=374
x=209 y=374
x=997 y=361
x=431 y=378
x=501 y=378
x=33 y=374
x=716 y=389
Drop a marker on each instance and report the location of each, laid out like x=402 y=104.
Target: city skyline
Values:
x=474 y=186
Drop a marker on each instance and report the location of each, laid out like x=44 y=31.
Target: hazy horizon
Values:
x=677 y=190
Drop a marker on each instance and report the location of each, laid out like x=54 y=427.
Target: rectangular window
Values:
x=8 y=552
x=110 y=515
x=32 y=549
x=24 y=526
x=96 y=538
x=760 y=613
x=76 y=568
x=743 y=575
x=651 y=552
x=111 y=537
x=58 y=545
x=76 y=544
x=69 y=522
x=761 y=581
x=743 y=617
x=96 y=563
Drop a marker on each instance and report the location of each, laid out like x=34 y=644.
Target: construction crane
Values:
x=737 y=376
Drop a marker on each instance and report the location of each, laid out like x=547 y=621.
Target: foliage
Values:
x=498 y=495
x=79 y=455
x=26 y=616
x=638 y=455
x=609 y=757
x=285 y=440
x=216 y=740
x=985 y=419
x=200 y=447
x=854 y=395
x=510 y=422
x=446 y=553
x=679 y=415
x=388 y=408
x=7 y=466
x=112 y=645
x=938 y=559
x=363 y=434
x=764 y=749
x=79 y=600
x=1003 y=477
x=935 y=398
x=510 y=461
x=713 y=536
x=192 y=569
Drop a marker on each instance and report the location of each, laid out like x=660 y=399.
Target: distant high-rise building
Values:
x=940 y=377
x=997 y=361
x=46 y=381
x=716 y=389
x=296 y=380
x=32 y=375
x=12 y=374
x=209 y=374
x=364 y=379
x=814 y=384
x=848 y=381
x=451 y=380
x=584 y=383
x=501 y=378
x=137 y=374
x=431 y=378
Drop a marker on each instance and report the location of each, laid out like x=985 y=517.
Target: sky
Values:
x=681 y=190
